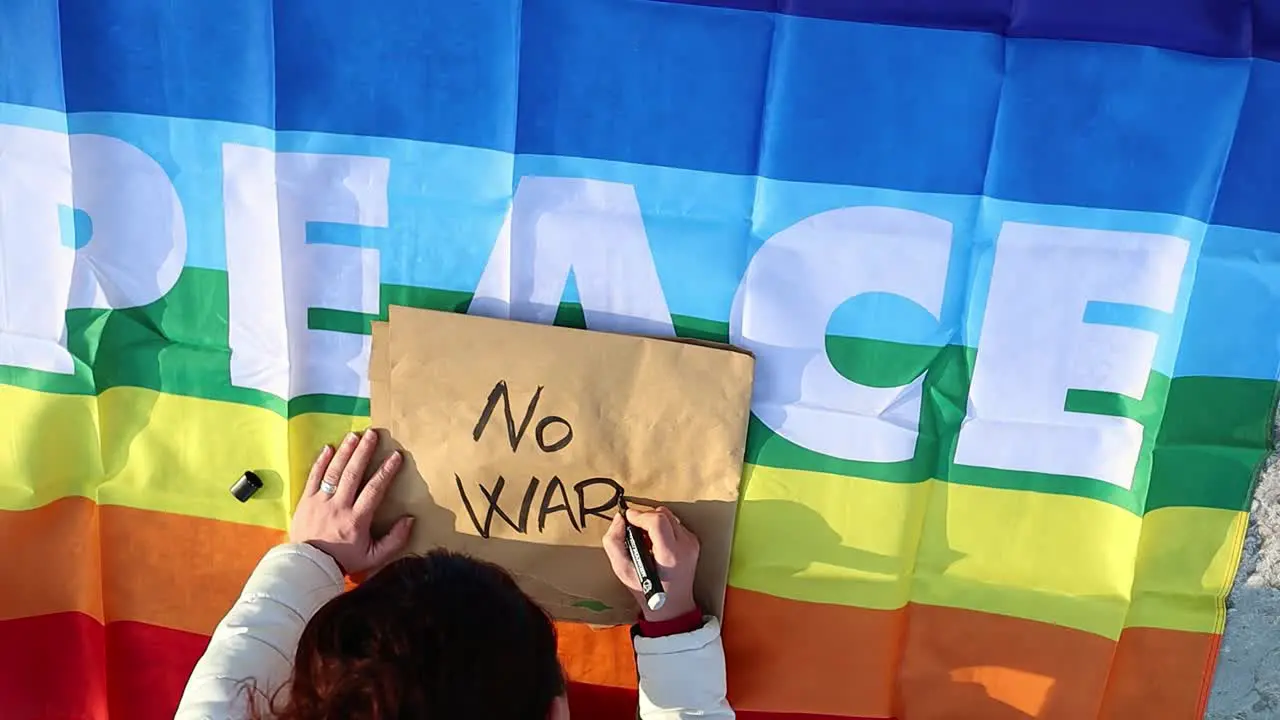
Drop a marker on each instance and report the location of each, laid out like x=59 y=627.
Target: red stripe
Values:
x=66 y=665
x=601 y=701
x=148 y=667
x=757 y=715
x=52 y=666
x=598 y=702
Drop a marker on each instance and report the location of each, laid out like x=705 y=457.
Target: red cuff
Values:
x=688 y=622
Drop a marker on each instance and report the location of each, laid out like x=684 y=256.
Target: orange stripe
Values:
x=995 y=667
x=921 y=662
x=927 y=662
x=788 y=656
x=51 y=558
x=597 y=656
x=208 y=560
x=117 y=563
x=1156 y=663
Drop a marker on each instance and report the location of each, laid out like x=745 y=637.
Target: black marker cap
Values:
x=248 y=484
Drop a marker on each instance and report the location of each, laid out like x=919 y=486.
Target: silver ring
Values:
x=327 y=487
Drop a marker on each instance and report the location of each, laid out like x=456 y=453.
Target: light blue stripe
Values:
x=1129 y=316
x=190 y=151
x=1233 y=322
x=447 y=203
x=33 y=117
x=997 y=212
x=698 y=223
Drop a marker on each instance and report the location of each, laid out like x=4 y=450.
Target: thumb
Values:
x=615 y=549
x=385 y=547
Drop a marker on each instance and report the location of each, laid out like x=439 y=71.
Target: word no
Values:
x=552 y=434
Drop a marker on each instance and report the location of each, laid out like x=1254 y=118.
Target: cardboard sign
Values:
x=520 y=439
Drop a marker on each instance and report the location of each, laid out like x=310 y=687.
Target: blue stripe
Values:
x=645 y=83
x=1250 y=192
x=1207 y=27
x=439 y=71
x=881 y=106
x=1114 y=126
x=1266 y=28
x=209 y=60
x=30 y=54
x=705 y=88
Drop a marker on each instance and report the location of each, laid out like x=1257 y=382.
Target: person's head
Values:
x=434 y=636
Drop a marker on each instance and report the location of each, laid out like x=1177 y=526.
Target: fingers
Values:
x=338 y=463
x=317 y=471
x=371 y=497
x=386 y=547
x=660 y=527
x=352 y=476
x=682 y=533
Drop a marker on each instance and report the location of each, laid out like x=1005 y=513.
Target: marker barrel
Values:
x=646 y=567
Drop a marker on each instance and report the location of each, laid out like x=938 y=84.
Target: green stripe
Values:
x=403 y=295
x=1217 y=433
x=1205 y=437
x=945 y=390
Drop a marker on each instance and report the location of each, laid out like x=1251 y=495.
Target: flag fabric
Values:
x=1009 y=271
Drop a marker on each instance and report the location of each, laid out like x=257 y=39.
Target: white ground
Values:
x=1247 y=683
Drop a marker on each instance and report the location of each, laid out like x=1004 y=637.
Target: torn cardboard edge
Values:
x=567 y=600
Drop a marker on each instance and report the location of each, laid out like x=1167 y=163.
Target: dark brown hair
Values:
x=434 y=636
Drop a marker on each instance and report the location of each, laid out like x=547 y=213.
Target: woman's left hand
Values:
x=336 y=509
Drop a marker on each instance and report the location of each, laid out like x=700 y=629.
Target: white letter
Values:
x=1035 y=346
x=791 y=288
x=35 y=267
x=139 y=239
x=591 y=227
x=133 y=257
x=274 y=276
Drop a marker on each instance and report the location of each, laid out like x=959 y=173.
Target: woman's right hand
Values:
x=675 y=549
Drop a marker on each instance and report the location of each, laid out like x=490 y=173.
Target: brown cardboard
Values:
x=661 y=420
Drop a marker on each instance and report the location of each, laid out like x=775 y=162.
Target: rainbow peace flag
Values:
x=1010 y=271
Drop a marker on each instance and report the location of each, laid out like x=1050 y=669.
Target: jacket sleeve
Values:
x=259 y=636
x=682 y=676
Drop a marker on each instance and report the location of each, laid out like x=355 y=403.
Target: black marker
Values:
x=642 y=560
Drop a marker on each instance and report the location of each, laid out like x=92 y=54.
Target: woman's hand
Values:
x=337 y=506
x=675 y=548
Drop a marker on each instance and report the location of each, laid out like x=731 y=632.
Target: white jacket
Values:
x=681 y=676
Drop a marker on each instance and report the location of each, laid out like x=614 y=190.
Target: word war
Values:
x=552 y=434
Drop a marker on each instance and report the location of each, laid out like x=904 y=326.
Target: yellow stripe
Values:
x=144 y=449
x=802 y=535
x=1187 y=560
x=1059 y=559
x=1054 y=558
x=827 y=538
